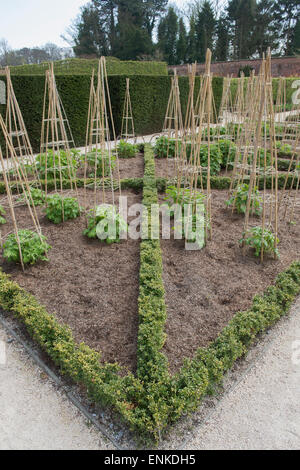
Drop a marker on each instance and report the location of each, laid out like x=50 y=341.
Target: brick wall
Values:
x=281 y=67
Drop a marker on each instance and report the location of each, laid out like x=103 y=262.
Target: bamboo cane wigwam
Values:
x=197 y=124
x=127 y=130
x=56 y=138
x=256 y=159
x=100 y=129
x=17 y=133
x=173 y=128
x=25 y=190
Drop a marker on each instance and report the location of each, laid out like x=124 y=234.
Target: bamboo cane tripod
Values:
x=56 y=139
x=98 y=140
x=173 y=127
x=260 y=168
x=197 y=124
x=25 y=189
x=17 y=132
x=127 y=129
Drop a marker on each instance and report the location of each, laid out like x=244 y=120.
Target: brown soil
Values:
x=165 y=168
x=204 y=289
x=129 y=168
x=91 y=286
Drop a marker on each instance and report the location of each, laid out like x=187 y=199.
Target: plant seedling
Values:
x=57 y=163
x=102 y=161
x=38 y=197
x=257 y=238
x=106 y=224
x=34 y=247
x=60 y=209
x=240 y=198
x=127 y=150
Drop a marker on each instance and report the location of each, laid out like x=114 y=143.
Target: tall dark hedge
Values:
x=149 y=95
x=85 y=67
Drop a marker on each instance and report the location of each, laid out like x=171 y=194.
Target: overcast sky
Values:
x=28 y=23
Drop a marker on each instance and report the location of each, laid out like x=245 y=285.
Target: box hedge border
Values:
x=136 y=184
x=128 y=183
x=224 y=182
x=151 y=401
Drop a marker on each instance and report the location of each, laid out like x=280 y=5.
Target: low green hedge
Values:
x=224 y=182
x=152 y=364
x=284 y=164
x=78 y=361
x=128 y=183
x=153 y=399
x=217 y=182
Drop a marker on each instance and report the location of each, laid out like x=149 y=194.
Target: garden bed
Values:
x=165 y=168
x=93 y=287
x=129 y=168
x=152 y=399
x=90 y=286
x=204 y=289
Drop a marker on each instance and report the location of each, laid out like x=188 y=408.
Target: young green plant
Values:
x=239 y=200
x=106 y=224
x=34 y=247
x=59 y=209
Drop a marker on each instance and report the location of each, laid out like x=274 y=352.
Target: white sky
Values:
x=28 y=23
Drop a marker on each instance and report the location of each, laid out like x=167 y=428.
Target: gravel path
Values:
x=34 y=414
x=261 y=412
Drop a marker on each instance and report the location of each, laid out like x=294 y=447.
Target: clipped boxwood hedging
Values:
x=149 y=407
x=149 y=96
x=152 y=365
x=153 y=399
x=129 y=183
x=114 y=66
x=224 y=182
x=285 y=164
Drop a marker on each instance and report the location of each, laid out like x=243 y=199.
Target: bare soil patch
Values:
x=131 y=167
x=204 y=289
x=128 y=167
x=165 y=167
x=88 y=285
